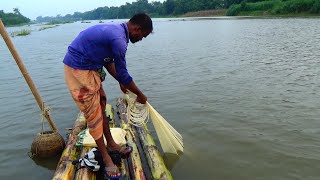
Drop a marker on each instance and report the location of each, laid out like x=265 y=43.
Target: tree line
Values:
x=171 y=8
x=14 y=18
x=274 y=7
x=154 y=9
x=179 y=7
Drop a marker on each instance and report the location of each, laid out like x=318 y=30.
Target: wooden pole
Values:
x=155 y=161
x=25 y=74
x=65 y=168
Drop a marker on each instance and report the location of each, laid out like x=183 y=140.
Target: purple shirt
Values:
x=99 y=45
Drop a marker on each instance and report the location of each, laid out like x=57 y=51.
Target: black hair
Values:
x=142 y=20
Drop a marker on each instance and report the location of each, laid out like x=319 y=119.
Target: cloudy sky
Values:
x=35 y=8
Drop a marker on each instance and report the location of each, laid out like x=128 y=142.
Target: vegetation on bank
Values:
x=168 y=8
x=15 y=18
x=275 y=7
x=23 y=32
x=58 y=22
x=48 y=27
x=206 y=13
x=178 y=8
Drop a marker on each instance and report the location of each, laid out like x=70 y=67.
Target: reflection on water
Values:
x=171 y=159
x=48 y=163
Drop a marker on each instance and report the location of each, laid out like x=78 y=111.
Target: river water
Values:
x=244 y=94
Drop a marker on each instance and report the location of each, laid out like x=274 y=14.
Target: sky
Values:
x=34 y=8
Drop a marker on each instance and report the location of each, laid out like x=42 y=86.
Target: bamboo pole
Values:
x=65 y=168
x=25 y=74
x=85 y=173
x=155 y=160
x=124 y=165
x=138 y=171
x=153 y=156
x=110 y=115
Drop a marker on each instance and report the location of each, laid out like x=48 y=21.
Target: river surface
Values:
x=244 y=94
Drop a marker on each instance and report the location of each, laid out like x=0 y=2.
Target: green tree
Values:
x=169 y=6
x=15 y=18
x=16 y=11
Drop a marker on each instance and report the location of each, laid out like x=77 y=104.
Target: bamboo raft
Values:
x=145 y=161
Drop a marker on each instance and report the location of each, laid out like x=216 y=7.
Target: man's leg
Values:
x=84 y=87
x=111 y=144
x=106 y=128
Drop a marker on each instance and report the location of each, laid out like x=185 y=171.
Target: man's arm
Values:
x=141 y=98
x=111 y=69
x=131 y=85
x=119 y=49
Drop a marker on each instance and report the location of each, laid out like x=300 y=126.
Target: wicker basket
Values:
x=47 y=144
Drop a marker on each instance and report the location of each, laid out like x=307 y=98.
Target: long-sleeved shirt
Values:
x=99 y=45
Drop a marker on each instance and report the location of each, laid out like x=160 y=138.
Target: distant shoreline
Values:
x=222 y=13
x=207 y=15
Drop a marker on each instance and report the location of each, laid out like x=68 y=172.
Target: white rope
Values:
x=46 y=110
x=137 y=114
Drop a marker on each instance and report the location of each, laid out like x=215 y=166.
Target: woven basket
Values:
x=47 y=144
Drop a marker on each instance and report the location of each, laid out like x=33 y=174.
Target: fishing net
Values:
x=138 y=114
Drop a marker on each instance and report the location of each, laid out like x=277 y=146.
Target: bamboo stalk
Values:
x=155 y=160
x=110 y=114
x=153 y=156
x=124 y=166
x=26 y=76
x=138 y=171
x=85 y=173
x=121 y=106
x=65 y=168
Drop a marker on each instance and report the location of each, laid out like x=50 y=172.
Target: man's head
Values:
x=140 y=26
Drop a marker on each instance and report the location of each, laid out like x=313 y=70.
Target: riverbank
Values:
x=206 y=13
x=276 y=8
x=222 y=14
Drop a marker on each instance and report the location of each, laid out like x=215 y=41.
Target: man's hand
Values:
x=141 y=98
x=123 y=89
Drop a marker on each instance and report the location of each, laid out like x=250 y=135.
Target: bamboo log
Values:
x=109 y=110
x=154 y=158
x=138 y=171
x=136 y=166
x=124 y=167
x=85 y=173
x=121 y=110
x=65 y=168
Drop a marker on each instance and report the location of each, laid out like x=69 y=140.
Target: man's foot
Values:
x=124 y=151
x=112 y=172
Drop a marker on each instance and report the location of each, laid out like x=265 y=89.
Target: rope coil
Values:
x=137 y=114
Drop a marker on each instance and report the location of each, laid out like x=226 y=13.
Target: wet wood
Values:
x=155 y=161
x=65 y=168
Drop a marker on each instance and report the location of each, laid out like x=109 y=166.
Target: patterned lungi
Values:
x=86 y=90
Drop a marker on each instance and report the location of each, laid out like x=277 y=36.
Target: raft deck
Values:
x=145 y=161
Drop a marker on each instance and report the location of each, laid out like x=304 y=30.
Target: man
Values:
x=99 y=46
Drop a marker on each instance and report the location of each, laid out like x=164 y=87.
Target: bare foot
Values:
x=111 y=170
x=113 y=147
x=121 y=149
